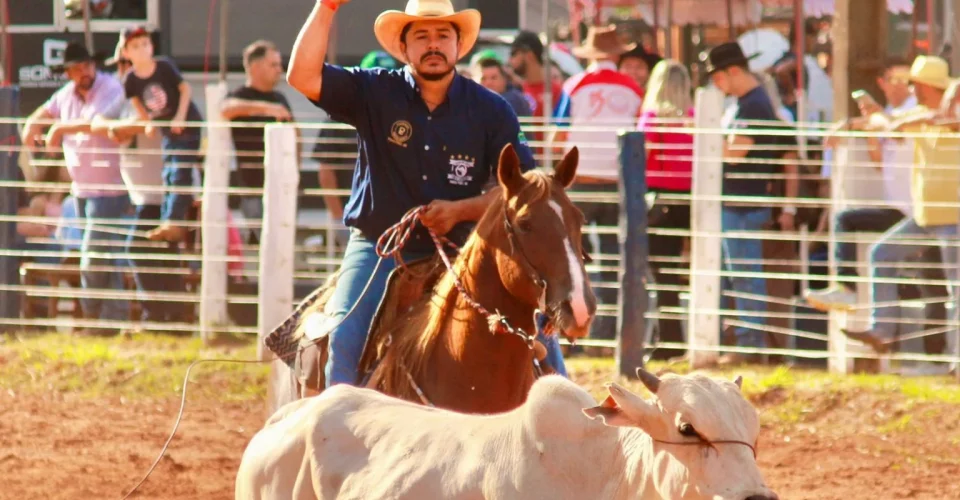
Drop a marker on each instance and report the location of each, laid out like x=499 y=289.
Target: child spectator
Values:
x=159 y=93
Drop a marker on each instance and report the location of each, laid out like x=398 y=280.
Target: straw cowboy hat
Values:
x=602 y=42
x=930 y=70
x=390 y=24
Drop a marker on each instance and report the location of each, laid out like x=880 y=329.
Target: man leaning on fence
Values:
x=257 y=101
x=94 y=165
x=934 y=216
x=749 y=166
x=410 y=122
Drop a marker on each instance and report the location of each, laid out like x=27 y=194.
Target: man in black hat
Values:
x=93 y=162
x=747 y=152
x=637 y=64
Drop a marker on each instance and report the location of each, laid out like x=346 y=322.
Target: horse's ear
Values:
x=508 y=173
x=566 y=171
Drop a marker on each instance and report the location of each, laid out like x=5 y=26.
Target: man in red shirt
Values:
x=526 y=59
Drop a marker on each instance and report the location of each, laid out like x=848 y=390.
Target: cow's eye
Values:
x=688 y=431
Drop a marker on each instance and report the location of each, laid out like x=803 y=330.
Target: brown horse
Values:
x=524 y=255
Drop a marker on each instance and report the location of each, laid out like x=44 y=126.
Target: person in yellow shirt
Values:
x=935 y=185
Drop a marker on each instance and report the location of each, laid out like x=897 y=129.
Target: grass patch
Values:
x=137 y=366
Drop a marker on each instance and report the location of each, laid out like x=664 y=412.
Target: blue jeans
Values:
x=94 y=241
x=751 y=250
x=347 y=339
x=180 y=156
x=552 y=343
x=887 y=250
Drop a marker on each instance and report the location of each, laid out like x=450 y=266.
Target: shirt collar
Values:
x=414 y=91
x=599 y=65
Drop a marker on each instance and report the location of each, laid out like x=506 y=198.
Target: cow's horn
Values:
x=739 y=382
x=649 y=380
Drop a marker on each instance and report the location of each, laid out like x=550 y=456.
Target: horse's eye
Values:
x=688 y=430
x=524 y=225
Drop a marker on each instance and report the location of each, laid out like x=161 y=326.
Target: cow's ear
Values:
x=610 y=413
x=623 y=408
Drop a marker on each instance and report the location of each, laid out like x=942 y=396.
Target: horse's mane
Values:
x=419 y=330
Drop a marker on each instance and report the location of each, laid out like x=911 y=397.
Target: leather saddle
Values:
x=406 y=287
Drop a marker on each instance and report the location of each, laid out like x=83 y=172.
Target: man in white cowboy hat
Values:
x=416 y=127
x=600 y=97
x=934 y=216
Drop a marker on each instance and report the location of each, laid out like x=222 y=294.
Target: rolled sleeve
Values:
x=341 y=93
x=507 y=131
x=52 y=106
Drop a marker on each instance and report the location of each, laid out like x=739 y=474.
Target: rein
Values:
x=400 y=233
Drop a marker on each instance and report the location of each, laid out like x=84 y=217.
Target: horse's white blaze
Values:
x=578 y=296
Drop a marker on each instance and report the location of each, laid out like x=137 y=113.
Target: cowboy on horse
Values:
x=427 y=137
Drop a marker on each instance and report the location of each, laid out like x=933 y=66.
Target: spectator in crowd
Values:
x=637 y=64
x=526 y=59
x=894 y=159
x=391 y=177
x=94 y=166
x=141 y=166
x=933 y=182
x=746 y=152
x=666 y=112
x=336 y=150
x=600 y=97
x=490 y=73
x=161 y=95
x=257 y=101
x=779 y=255
x=816 y=83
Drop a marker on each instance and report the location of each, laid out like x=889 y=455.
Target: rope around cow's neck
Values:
x=709 y=444
x=397 y=236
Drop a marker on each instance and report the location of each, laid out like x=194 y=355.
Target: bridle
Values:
x=392 y=241
x=399 y=233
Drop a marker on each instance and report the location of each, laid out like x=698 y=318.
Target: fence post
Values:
x=633 y=253
x=214 y=211
x=9 y=265
x=282 y=174
x=277 y=241
x=705 y=227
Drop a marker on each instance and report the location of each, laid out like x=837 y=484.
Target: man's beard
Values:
x=438 y=75
x=86 y=83
x=521 y=70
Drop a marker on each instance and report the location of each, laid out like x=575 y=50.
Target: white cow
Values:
x=357 y=444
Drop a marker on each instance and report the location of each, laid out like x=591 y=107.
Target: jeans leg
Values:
x=95 y=241
x=552 y=343
x=347 y=339
x=673 y=217
x=885 y=256
x=180 y=158
x=860 y=220
x=750 y=250
x=161 y=281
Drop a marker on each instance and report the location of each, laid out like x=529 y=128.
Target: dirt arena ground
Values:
x=85 y=419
